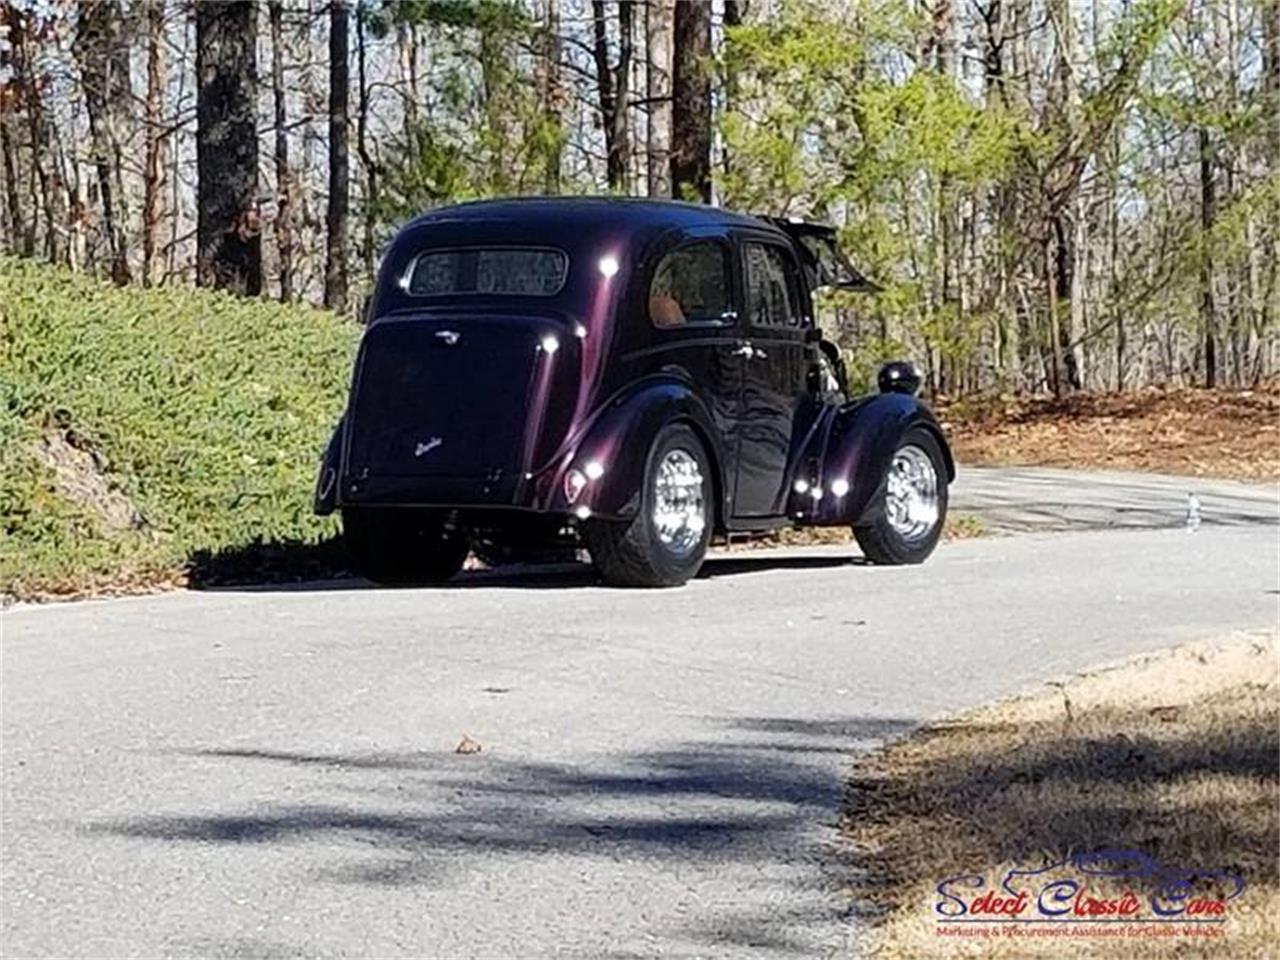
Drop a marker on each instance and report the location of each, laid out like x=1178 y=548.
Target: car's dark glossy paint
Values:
x=482 y=403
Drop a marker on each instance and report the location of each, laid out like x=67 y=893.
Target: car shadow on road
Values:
x=297 y=566
x=757 y=794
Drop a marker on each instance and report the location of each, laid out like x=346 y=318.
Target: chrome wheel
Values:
x=679 y=509
x=911 y=501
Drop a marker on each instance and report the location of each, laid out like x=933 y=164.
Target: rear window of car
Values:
x=515 y=271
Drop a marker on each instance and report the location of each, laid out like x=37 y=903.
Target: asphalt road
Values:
x=272 y=773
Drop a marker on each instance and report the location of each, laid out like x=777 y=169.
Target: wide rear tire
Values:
x=403 y=547
x=664 y=544
x=906 y=518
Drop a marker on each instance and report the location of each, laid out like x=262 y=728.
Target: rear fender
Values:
x=858 y=449
x=613 y=453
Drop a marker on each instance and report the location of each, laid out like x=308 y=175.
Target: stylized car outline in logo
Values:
x=450 y=337
x=427 y=447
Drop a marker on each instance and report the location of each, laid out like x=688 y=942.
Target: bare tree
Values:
x=613 y=84
x=97 y=47
x=691 y=102
x=228 y=237
x=335 y=273
x=552 y=94
x=25 y=33
x=284 y=174
x=156 y=141
x=658 y=16
x=1208 y=214
x=372 y=168
x=18 y=238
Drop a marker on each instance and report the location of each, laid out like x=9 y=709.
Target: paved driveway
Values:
x=271 y=773
x=1015 y=499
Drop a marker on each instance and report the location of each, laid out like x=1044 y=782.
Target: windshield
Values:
x=518 y=271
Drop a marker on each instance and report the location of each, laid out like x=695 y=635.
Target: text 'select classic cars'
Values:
x=633 y=376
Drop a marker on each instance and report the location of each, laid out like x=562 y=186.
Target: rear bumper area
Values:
x=544 y=494
x=507 y=491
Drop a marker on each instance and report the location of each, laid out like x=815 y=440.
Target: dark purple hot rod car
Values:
x=632 y=376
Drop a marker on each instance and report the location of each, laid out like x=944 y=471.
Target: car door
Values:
x=690 y=301
x=775 y=371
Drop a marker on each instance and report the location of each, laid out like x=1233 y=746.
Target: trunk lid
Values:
x=459 y=397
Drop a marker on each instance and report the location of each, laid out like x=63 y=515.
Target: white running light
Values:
x=801 y=486
x=550 y=343
x=608 y=266
x=840 y=487
x=594 y=470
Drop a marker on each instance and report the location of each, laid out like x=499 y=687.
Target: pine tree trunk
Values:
x=658 y=14
x=228 y=238
x=1113 y=259
x=371 y=168
x=171 y=268
x=608 y=99
x=942 y=48
x=1270 y=14
x=620 y=152
x=19 y=239
x=552 y=96
x=335 y=272
x=999 y=203
x=691 y=102
x=1269 y=283
x=43 y=168
x=153 y=172
x=95 y=45
x=284 y=175
x=1208 y=213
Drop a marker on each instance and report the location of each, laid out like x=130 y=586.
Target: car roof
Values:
x=591 y=212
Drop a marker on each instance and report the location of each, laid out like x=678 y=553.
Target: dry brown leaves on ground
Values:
x=1222 y=433
x=1176 y=756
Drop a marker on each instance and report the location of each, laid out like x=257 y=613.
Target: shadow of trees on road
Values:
x=757 y=791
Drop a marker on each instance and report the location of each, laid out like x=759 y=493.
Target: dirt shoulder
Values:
x=1210 y=433
x=1175 y=756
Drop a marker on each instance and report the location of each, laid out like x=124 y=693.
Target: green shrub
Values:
x=207 y=411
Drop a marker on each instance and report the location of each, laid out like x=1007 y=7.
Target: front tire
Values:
x=904 y=522
x=664 y=544
x=403 y=547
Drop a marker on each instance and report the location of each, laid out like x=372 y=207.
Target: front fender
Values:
x=855 y=458
x=326 y=493
x=613 y=452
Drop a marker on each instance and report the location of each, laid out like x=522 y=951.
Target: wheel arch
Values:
x=858 y=450
x=619 y=441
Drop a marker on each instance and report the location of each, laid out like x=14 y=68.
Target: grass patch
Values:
x=1175 y=755
x=195 y=416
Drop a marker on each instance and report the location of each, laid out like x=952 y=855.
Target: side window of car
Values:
x=690 y=285
x=771 y=290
